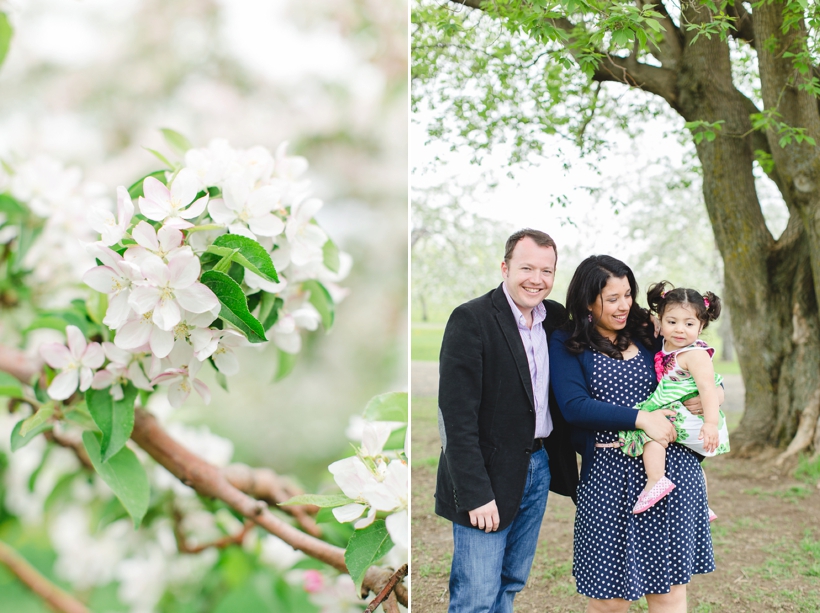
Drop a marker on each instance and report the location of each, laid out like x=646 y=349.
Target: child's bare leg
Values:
x=654 y=462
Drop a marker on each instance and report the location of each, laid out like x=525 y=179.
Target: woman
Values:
x=605 y=357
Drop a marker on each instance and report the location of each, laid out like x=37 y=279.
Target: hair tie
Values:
x=706 y=302
x=663 y=294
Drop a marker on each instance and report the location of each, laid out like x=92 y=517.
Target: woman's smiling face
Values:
x=611 y=309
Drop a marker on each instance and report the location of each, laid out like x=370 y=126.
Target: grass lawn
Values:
x=425 y=341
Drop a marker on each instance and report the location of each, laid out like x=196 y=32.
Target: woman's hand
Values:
x=657 y=425
x=709 y=436
x=694 y=405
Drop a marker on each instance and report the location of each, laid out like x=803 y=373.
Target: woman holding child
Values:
x=606 y=359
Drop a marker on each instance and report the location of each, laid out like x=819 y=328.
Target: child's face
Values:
x=679 y=326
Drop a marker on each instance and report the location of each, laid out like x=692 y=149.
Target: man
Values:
x=504 y=441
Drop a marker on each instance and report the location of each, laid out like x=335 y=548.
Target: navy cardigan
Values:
x=570 y=379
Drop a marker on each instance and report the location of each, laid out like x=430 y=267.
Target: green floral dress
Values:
x=675 y=386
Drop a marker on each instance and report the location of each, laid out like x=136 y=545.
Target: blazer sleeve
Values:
x=459 y=399
x=577 y=405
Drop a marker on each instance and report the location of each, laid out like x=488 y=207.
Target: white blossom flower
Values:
x=44 y=184
x=102 y=220
x=247 y=212
x=123 y=366
x=116 y=278
x=164 y=244
x=211 y=164
x=171 y=287
x=173 y=206
x=306 y=239
x=182 y=380
x=286 y=329
x=76 y=362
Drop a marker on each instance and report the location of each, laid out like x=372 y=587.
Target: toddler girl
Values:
x=684 y=369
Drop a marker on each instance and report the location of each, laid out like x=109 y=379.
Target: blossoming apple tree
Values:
x=213 y=254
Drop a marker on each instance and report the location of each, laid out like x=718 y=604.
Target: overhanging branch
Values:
x=56 y=599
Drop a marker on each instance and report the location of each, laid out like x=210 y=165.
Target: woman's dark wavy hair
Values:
x=586 y=286
x=659 y=299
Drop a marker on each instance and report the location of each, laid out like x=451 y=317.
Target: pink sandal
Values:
x=658 y=491
x=712 y=515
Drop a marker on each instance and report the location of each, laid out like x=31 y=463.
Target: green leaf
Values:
x=269 y=311
x=234 y=305
x=365 y=548
x=321 y=300
x=246 y=252
x=176 y=141
x=96 y=305
x=10 y=387
x=12 y=207
x=135 y=191
x=38 y=419
x=391 y=406
x=285 y=365
x=124 y=475
x=18 y=440
x=160 y=157
x=319 y=500
x=6 y=32
x=114 y=418
x=330 y=256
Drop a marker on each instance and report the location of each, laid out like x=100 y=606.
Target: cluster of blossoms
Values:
x=376 y=481
x=43 y=220
x=241 y=218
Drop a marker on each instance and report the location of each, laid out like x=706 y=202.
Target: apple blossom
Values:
x=123 y=366
x=181 y=380
x=163 y=244
x=76 y=362
x=247 y=212
x=306 y=239
x=176 y=205
x=116 y=278
x=102 y=220
x=171 y=287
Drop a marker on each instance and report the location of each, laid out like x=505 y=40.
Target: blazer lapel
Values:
x=509 y=327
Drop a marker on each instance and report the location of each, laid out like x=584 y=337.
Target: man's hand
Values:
x=657 y=425
x=694 y=405
x=485 y=517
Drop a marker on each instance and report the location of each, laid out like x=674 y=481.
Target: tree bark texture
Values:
x=770 y=284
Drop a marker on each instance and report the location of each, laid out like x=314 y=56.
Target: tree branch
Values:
x=387 y=590
x=264 y=484
x=56 y=599
x=226 y=541
x=744 y=27
x=209 y=481
x=628 y=70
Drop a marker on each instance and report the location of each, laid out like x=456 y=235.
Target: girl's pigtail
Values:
x=712 y=303
x=655 y=295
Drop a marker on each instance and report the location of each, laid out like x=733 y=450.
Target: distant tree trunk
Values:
x=423 y=307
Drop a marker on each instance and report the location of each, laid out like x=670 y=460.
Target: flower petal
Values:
x=146 y=236
x=266 y=225
x=56 y=355
x=64 y=384
x=197 y=298
x=161 y=342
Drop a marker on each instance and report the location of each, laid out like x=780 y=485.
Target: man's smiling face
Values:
x=529 y=274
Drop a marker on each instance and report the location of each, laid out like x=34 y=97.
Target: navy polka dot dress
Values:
x=621 y=555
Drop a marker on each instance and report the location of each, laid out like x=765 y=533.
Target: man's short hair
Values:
x=542 y=239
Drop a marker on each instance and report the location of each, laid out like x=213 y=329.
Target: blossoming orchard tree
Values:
x=741 y=77
x=216 y=252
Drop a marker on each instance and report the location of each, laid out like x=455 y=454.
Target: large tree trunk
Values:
x=770 y=284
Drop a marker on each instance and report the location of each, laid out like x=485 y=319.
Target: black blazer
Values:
x=487 y=416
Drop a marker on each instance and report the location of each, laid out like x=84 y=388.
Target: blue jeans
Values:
x=489 y=569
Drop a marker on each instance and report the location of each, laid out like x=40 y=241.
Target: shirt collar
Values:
x=539 y=312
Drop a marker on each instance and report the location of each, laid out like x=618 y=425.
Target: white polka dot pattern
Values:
x=621 y=555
